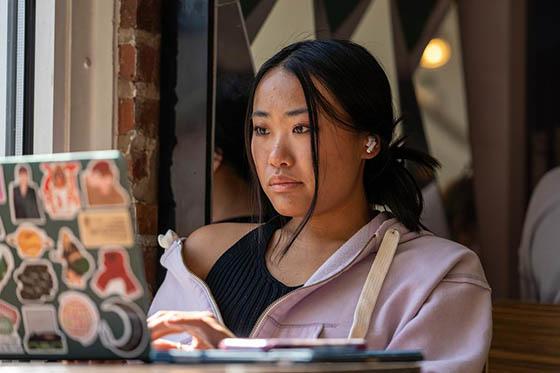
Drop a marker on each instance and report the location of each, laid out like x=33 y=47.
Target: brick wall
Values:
x=139 y=35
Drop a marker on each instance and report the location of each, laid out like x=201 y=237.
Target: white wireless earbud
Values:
x=372 y=142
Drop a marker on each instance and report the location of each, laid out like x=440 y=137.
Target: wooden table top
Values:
x=43 y=367
x=526 y=337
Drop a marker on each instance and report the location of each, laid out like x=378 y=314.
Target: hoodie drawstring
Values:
x=374 y=282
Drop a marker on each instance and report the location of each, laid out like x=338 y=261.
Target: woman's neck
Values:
x=334 y=226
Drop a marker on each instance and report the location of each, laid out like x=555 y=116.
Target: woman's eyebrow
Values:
x=260 y=114
x=290 y=113
x=293 y=113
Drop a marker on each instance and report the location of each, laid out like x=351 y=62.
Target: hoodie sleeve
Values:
x=453 y=328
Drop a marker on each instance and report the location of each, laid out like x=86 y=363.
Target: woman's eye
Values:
x=260 y=131
x=301 y=129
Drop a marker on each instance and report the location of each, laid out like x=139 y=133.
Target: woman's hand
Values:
x=205 y=329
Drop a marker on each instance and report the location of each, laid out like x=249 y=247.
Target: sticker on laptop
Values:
x=42 y=334
x=25 y=200
x=35 y=281
x=101 y=185
x=2 y=230
x=2 y=187
x=10 y=342
x=6 y=265
x=134 y=337
x=106 y=227
x=59 y=188
x=78 y=317
x=77 y=263
x=30 y=241
x=114 y=275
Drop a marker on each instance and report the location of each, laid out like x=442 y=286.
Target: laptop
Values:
x=72 y=282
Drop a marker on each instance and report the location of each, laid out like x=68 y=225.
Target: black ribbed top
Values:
x=241 y=283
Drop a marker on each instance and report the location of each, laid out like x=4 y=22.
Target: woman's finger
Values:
x=201 y=344
x=200 y=339
x=165 y=326
x=205 y=329
x=165 y=345
x=203 y=335
x=208 y=325
x=169 y=315
x=205 y=321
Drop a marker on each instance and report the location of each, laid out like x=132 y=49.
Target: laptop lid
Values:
x=72 y=282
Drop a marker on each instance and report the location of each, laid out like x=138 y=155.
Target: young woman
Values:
x=320 y=139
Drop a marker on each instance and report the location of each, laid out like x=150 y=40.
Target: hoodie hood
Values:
x=363 y=243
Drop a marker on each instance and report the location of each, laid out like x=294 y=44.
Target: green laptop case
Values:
x=72 y=283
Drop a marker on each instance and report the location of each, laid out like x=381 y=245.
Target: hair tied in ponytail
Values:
x=389 y=158
x=400 y=154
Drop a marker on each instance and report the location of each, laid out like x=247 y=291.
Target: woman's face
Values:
x=281 y=150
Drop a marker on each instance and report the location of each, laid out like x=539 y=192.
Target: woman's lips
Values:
x=283 y=183
x=285 y=186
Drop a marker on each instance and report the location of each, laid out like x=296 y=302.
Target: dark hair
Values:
x=359 y=84
x=231 y=104
x=22 y=170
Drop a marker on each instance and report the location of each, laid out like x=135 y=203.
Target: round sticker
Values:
x=78 y=317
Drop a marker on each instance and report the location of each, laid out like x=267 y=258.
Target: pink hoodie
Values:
x=435 y=298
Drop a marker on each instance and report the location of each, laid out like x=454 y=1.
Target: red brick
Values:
x=151 y=264
x=127 y=61
x=146 y=218
x=148 y=64
x=149 y=15
x=139 y=65
x=147 y=116
x=126 y=115
x=129 y=11
x=139 y=165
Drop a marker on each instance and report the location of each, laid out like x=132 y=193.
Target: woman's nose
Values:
x=280 y=155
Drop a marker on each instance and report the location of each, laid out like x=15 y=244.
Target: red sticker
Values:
x=59 y=188
x=114 y=275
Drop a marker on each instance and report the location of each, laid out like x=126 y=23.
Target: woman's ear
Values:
x=371 y=147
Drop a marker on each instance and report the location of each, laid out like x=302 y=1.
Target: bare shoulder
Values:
x=204 y=246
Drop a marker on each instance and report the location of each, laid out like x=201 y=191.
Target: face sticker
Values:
x=10 y=342
x=25 y=202
x=134 y=338
x=77 y=263
x=42 y=335
x=101 y=185
x=59 y=188
x=2 y=188
x=35 y=281
x=106 y=227
x=114 y=275
x=6 y=265
x=29 y=241
x=78 y=317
